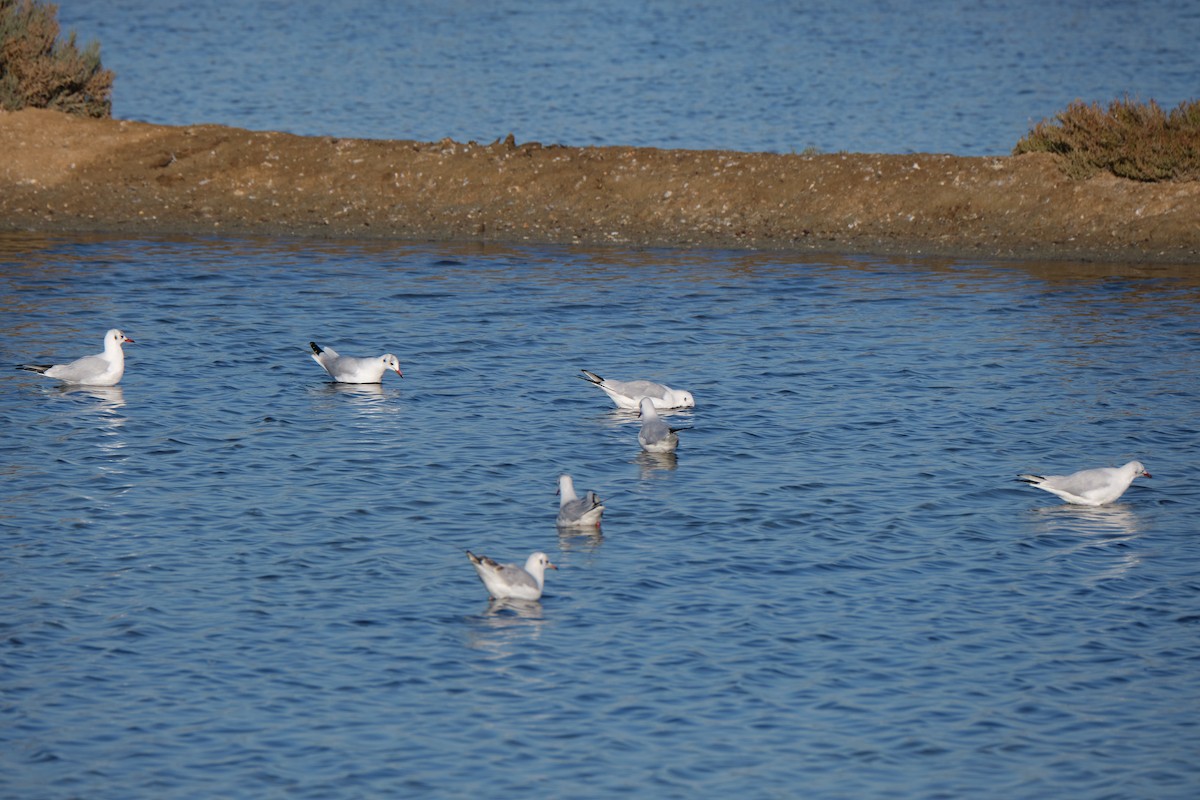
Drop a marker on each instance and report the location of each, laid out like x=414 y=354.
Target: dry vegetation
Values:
x=39 y=71
x=1131 y=140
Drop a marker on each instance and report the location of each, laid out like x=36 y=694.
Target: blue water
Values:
x=779 y=76
x=229 y=578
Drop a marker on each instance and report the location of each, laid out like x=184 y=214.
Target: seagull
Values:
x=577 y=512
x=655 y=436
x=508 y=581
x=102 y=369
x=1089 y=487
x=628 y=394
x=347 y=369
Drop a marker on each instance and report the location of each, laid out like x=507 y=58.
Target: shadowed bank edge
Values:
x=64 y=174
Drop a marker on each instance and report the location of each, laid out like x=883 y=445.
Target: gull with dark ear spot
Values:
x=348 y=369
x=575 y=511
x=102 y=369
x=629 y=394
x=1089 y=487
x=509 y=581
x=655 y=436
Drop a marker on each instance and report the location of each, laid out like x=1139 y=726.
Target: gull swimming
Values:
x=628 y=394
x=102 y=369
x=348 y=369
x=509 y=581
x=1089 y=487
x=655 y=436
x=574 y=511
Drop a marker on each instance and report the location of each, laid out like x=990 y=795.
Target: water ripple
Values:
x=229 y=576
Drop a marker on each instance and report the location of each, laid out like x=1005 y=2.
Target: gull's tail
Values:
x=38 y=368
x=591 y=377
x=1030 y=479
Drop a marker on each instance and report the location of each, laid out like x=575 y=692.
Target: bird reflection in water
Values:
x=583 y=539
x=365 y=390
x=1113 y=521
x=650 y=463
x=1106 y=529
x=365 y=398
x=110 y=398
x=507 y=626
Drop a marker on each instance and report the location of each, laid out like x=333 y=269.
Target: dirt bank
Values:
x=67 y=174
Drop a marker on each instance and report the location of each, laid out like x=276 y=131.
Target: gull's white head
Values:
x=1138 y=469
x=536 y=565
x=115 y=338
x=566 y=488
x=646 y=408
x=392 y=363
x=686 y=399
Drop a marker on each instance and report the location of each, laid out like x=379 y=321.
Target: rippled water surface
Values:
x=229 y=578
x=773 y=75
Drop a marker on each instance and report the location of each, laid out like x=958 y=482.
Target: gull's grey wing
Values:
x=513 y=575
x=639 y=388
x=1080 y=483
x=655 y=430
x=80 y=369
x=574 y=510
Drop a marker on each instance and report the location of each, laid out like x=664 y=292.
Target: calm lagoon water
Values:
x=229 y=578
x=775 y=75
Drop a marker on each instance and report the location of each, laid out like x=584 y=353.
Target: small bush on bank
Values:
x=1132 y=140
x=37 y=70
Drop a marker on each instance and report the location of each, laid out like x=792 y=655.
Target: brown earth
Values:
x=68 y=174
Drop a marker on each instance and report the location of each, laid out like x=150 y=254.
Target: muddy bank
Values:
x=66 y=174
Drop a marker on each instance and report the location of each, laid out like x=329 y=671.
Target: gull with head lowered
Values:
x=102 y=369
x=1089 y=487
x=629 y=394
x=348 y=369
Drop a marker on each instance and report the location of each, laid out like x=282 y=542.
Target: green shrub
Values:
x=37 y=70
x=1132 y=140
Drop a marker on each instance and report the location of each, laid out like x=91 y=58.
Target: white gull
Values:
x=509 y=581
x=102 y=369
x=575 y=511
x=348 y=369
x=1089 y=487
x=628 y=394
x=655 y=436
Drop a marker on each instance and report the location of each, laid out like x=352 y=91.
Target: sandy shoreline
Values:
x=66 y=174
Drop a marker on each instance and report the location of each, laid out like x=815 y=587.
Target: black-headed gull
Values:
x=655 y=436
x=508 y=581
x=629 y=394
x=102 y=369
x=574 y=511
x=1089 y=487
x=348 y=369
